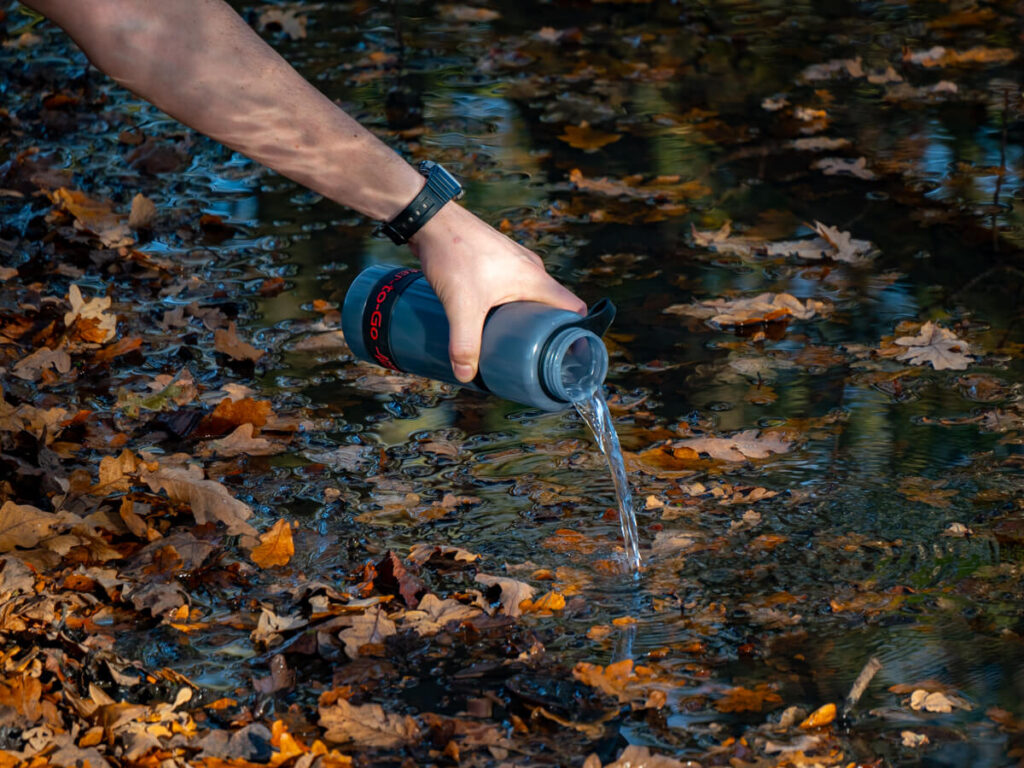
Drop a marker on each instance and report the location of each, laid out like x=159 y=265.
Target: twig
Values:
x=861 y=684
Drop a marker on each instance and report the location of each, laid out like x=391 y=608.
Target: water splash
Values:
x=594 y=410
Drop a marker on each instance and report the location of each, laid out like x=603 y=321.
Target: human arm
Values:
x=199 y=62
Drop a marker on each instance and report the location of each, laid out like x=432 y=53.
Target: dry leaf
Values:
x=513 y=592
x=433 y=614
x=229 y=343
x=748 y=444
x=276 y=546
x=93 y=216
x=913 y=740
x=755 y=699
x=763 y=308
x=370 y=628
x=92 y=322
x=143 y=212
x=821 y=716
x=936 y=345
x=242 y=443
x=32 y=367
x=587 y=138
x=208 y=499
x=367 y=725
x=22 y=525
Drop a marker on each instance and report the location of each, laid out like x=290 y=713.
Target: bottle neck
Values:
x=573 y=365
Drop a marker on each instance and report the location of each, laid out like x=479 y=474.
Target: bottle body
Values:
x=530 y=353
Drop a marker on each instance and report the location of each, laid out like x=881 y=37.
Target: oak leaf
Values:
x=229 y=343
x=513 y=592
x=276 y=546
x=763 y=308
x=209 y=500
x=94 y=216
x=92 y=322
x=433 y=614
x=367 y=725
x=32 y=367
x=22 y=525
x=142 y=213
x=241 y=442
x=370 y=628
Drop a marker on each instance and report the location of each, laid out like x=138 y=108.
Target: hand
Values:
x=473 y=267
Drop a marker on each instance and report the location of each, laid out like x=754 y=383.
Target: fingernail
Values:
x=463 y=373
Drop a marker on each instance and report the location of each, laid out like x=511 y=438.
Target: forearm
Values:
x=200 y=63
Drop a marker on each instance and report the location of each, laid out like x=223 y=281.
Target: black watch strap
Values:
x=440 y=188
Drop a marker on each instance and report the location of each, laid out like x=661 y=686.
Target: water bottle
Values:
x=531 y=353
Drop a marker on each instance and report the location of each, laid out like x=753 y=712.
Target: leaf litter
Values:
x=143 y=491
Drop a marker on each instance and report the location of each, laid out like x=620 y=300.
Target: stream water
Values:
x=594 y=411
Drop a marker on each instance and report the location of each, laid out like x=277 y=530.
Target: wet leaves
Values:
x=276 y=546
x=934 y=345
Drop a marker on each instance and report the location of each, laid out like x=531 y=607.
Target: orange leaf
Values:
x=230 y=414
x=118 y=348
x=552 y=601
x=585 y=137
x=276 y=546
x=742 y=699
x=821 y=716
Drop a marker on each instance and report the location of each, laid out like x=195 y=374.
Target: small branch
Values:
x=861 y=684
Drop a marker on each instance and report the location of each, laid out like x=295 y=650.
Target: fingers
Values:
x=466 y=325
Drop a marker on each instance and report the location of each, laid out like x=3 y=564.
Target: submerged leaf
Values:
x=276 y=546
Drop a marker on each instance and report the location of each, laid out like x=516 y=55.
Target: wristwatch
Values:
x=441 y=187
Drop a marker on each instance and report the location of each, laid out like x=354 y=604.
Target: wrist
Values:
x=434 y=195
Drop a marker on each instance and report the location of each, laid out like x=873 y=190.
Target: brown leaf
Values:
x=613 y=679
x=749 y=444
x=545 y=604
x=367 y=725
x=142 y=213
x=230 y=414
x=22 y=525
x=242 y=443
x=421 y=553
x=276 y=546
x=587 y=138
x=433 y=614
x=755 y=699
x=393 y=578
x=513 y=592
x=370 y=628
x=642 y=757
x=763 y=308
x=91 y=322
x=93 y=216
x=33 y=366
x=936 y=345
x=208 y=499
x=229 y=343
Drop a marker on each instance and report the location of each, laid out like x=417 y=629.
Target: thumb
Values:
x=466 y=325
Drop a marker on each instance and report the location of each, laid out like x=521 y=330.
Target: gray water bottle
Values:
x=530 y=353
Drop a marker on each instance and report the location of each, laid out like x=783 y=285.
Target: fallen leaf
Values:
x=31 y=367
x=22 y=525
x=755 y=699
x=551 y=601
x=94 y=216
x=433 y=614
x=143 y=212
x=242 y=443
x=231 y=413
x=276 y=546
x=821 y=716
x=613 y=679
x=370 y=628
x=513 y=592
x=936 y=345
x=90 y=319
x=642 y=757
x=842 y=166
x=749 y=444
x=913 y=740
x=938 y=56
x=587 y=138
x=228 y=342
x=763 y=308
x=421 y=553
x=367 y=725
x=209 y=500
